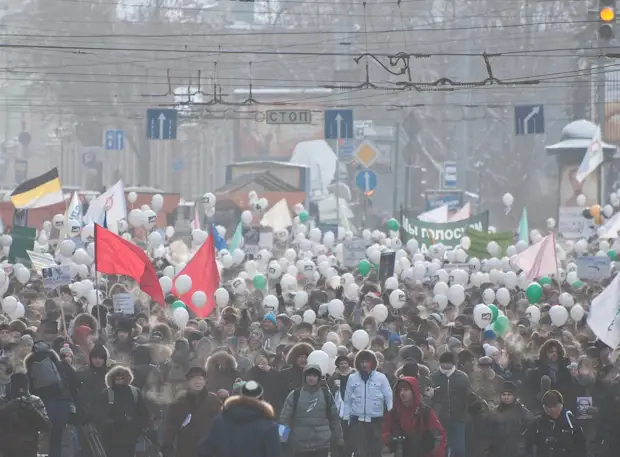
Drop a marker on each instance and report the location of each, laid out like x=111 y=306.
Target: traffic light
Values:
x=607 y=18
x=594 y=212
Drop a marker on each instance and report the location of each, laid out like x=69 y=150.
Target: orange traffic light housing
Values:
x=593 y=212
x=607 y=18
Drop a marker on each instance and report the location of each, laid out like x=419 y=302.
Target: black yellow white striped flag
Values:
x=38 y=192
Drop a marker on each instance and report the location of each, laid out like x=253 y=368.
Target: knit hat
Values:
x=271 y=318
x=100 y=352
x=66 y=351
x=447 y=357
x=342 y=358
x=485 y=361
x=489 y=335
x=195 y=371
x=454 y=342
x=489 y=350
x=552 y=398
x=237 y=386
x=252 y=389
x=510 y=387
x=80 y=333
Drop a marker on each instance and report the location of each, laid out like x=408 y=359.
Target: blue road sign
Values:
x=449 y=175
x=346 y=148
x=114 y=140
x=339 y=124
x=178 y=164
x=89 y=158
x=161 y=124
x=529 y=119
x=366 y=180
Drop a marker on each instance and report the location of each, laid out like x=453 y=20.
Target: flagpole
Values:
x=97 y=285
x=557 y=269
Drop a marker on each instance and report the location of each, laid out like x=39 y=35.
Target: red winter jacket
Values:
x=408 y=418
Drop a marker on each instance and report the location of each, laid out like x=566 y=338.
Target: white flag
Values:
x=603 y=317
x=74 y=212
x=593 y=157
x=438 y=215
x=112 y=202
x=278 y=217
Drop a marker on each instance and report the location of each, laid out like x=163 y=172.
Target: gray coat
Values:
x=450 y=399
x=313 y=427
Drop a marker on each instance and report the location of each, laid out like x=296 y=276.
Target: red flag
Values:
x=205 y=277
x=117 y=256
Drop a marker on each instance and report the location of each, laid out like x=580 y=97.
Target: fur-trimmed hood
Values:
x=87 y=320
x=165 y=331
x=542 y=352
x=222 y=358
x=118 y=370
x=365 y=354
x=296 y=351
x=244 y=408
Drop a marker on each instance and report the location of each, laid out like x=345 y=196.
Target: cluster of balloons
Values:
x=12 y=307
x=326 y=356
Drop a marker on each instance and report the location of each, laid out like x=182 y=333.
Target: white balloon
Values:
x=352 y=291
x=391 y=283
x=482 y=315
x=566 y=300
x=493 y=249
x=169 y=231
x=155 y=239
x=157 y=202
x=533 y=314
x=132 y=197
x=166 y=284
x=221 y=297
x=441 y=301
x=81 y=257
x=456 y=294
x=309 y=316
x=9 y=304
x=581 y=200
x=300 y=300
x=199 y=299
x=67 y=247
x=288 y=283
x=180 y=317
x=92 y=296
x=558 y=315
x=488 y=296
x=465 y=243
x=59 y=221
x=360 y=339
x=441 y=288
x=320 y=359
x=336 y=308
x=551 y=223
x=270 y=303
x=23 y=275
x=397 y=299
x=169 y=271
x=577 y=312
x=380 y=313
x=182 y=284
x=508 y=200
x=136 y=218
x=330 y=349
x=608 y=210
x=149 y=219
x=503 y=296
x=246 y=217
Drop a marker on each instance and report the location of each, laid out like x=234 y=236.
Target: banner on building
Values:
x=448 y=234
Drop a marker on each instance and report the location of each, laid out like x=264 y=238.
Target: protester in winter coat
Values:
x=423 y=435
x=487 y=383
x=312 y=417
x=189 y=416
x=552 y=362
x=506 y=424
x=291 y=377
x=56 y=383
x=367 y=396
x=556 y=432
x=266 y=376
x=92 y=383
x=221 y=374
x=123 y=344
x=6 y=369
x=338 y=386
x=245 y=428
x=451 y=393
x=22 y=418
x=122 y=415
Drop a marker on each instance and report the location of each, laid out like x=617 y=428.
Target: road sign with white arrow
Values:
x=114 y=140
x=161 y=124
x=529 y=119
x=366 y=180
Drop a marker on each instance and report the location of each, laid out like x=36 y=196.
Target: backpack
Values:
x=45 y=374
x=328 y=401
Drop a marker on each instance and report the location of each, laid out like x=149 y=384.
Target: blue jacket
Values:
x=367 y=399
x=245 y=428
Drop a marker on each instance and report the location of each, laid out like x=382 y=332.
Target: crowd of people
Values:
x=253 y=382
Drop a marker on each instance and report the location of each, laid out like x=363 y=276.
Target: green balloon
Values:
x=611 y=254
x=534 y=293
x=303 y=216
x=502 y=324
x=393 y=224
x=494 y=312
x=577 y=285
x=178 y=304
x=364 y=267
x=259 y=282
x=545 y=280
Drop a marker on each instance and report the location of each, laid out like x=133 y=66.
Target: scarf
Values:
x=449 y=372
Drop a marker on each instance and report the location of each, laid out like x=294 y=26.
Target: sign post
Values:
x=338 y=126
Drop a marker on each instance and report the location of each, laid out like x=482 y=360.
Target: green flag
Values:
x=448 y=233
x=524 y=232
x=480 y=241
x=237 y=237
x=23 y=241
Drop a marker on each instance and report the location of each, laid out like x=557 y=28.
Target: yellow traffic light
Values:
x=607 y=14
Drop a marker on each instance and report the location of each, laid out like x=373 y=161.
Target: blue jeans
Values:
x=455 y=434
x=58 y=411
